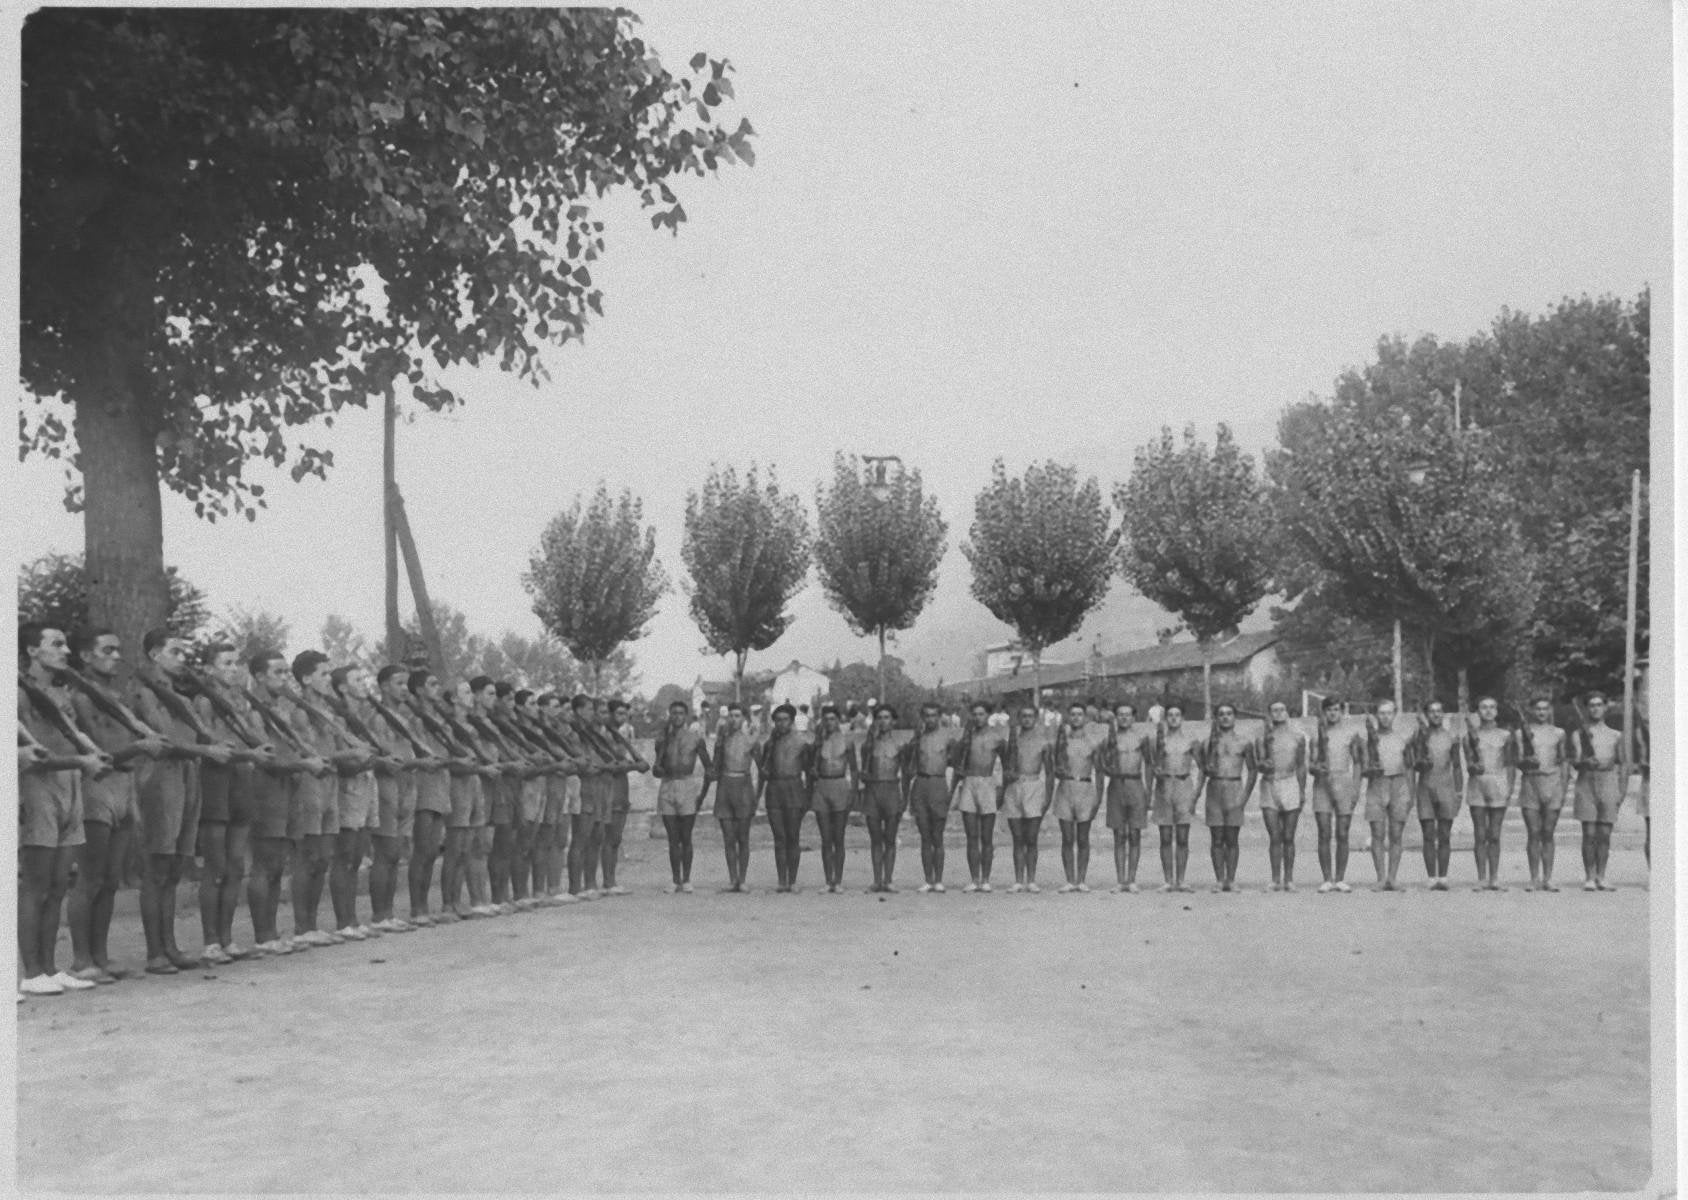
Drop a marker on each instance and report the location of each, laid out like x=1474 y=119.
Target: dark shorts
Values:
x=168 y=798
x=1174 y=802
x=928 y=800
x=734 y=799
x=433 y=791
x=1598 y=798
x=882 y=799
x=1223 y=802
x=50 y=810
x=1128 y=803
x=111 y=800
x=1389 y=799
x=501 y=809
x=621 y=793
x=1541 y=794
x=595 y=797
x=786 y=794
x=1339 y=794
x=395 y=798
x=226 y=793
x=468 y=802
x=1438 y=797
x=832 y=795
x=556 y=800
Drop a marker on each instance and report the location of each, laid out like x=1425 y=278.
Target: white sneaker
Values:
x=925 y=887
x=1067 y=887
x=1326 y=886
x=937 y=887
x=1032 y=887
x=1344 y=887
x=985 y=886
x=686 y=888
x=971 y=887
x=71 y=983
x=1014 y=888
x=352 y=933
x=1084 y=887
x=369 y=930
x=41 y=985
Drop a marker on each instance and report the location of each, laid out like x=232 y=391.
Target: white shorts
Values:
x=978 y=794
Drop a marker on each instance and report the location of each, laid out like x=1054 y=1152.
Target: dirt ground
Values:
x=1411 y=1041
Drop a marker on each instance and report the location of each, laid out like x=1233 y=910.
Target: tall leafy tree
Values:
x=1042 y=553
x=1196 y=535
x=1444 y=556
x=236 y=222
x=877 y=552
x=746 y=550
x=1564 y=396
x=594 y=580
x=53 y=590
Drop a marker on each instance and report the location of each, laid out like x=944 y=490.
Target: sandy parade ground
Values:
x=1365 y=1042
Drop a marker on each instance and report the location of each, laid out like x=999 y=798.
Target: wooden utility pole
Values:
x=418 y=588
x=1629 y=619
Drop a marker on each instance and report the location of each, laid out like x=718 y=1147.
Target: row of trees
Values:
x=1474 y=494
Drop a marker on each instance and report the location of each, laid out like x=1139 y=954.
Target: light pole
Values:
x=1417 y=471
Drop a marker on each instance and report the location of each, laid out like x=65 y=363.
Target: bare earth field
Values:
x=1367 y=1042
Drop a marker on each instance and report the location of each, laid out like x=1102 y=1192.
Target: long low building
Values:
x=1248 y=660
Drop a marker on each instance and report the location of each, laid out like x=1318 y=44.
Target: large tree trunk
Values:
x=1207 y=680
x=738 y=675
x=1037 y=680
x=123 y=519
x=880 y=699
x=1395 y=667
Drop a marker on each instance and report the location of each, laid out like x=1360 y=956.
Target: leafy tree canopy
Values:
x=261 y=216
x=746 y=550
x=1197 y=535
x=877 y=558
x=594 y=580
x=1041 y=551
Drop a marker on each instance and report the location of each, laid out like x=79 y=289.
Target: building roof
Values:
x=1186 y=656
x=1150 y=660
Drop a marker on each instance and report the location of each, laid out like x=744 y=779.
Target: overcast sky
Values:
x=977 y=230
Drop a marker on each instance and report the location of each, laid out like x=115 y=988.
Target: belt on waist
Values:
x=783 y=778
x=824 y=775
x=735 y=775
x=1602 y=770
x=1224 y=778
x=1176 y=776
x=1542 y=774
x=1133 y=776
x=939 y=775
x=976 y=775
x=1073 y=779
